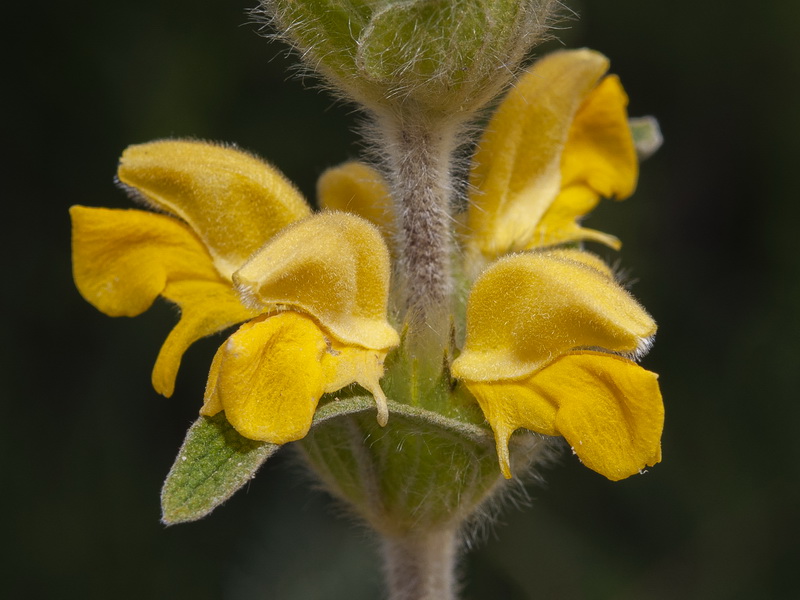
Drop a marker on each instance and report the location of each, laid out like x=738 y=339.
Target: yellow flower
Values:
x=558 y=143
x=549 y=333
x=234 y=241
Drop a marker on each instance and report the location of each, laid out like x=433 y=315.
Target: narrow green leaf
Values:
x=212 y=464
x=215 y=461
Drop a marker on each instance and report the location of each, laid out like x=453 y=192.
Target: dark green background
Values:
x=711 y=236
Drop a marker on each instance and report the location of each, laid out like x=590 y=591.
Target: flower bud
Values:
x=438 y=57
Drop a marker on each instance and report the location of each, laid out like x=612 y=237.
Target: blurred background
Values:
x=711 y=237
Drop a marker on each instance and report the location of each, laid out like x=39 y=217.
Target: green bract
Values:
x=426 y=468
x=437 y=56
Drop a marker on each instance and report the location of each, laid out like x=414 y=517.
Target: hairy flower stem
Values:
x=418 y=155
x=421 y=566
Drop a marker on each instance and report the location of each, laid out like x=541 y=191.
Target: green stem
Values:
x=421 y=566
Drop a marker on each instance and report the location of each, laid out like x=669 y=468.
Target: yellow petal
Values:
x=610 y=411
x=509 y=405
x=333 y=266
x=206 y=308
x=527 y=309
x=357 y=188
x=344 y=365
x=560 y=223
x=586 y=258
x=123 y=259
x=233 y=201
x=516 y=169
x=269 y=376
x=608 y=408
x=600 y=152
x=599 y=160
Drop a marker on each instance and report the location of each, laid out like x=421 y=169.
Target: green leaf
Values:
x=417 y=454
x=215 y=461
x=212 y=464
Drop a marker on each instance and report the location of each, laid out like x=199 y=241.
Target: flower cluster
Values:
x=547 y=340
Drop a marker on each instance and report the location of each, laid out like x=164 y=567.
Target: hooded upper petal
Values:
x=557 y=143
x=333 y=266
x=527 y=309
x=232 y=200
x=227 y=204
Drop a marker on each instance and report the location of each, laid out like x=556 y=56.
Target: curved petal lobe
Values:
x=600 y=152
x=608 y=408
x=509 y=405
x=269 y=378
x=344 y=365
x=123 y=259
x=610 y=411
x=560 y=224
x=206 y=308
x=599 y=161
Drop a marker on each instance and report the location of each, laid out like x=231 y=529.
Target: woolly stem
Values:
x=421 y=566
x=418 y=157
